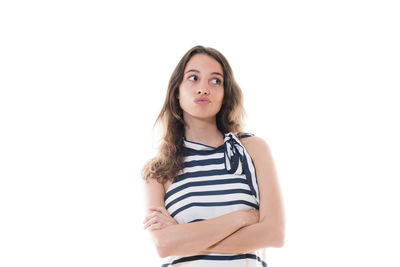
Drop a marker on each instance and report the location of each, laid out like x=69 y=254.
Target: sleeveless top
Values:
x=214 y=181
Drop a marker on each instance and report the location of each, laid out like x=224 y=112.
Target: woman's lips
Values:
x=202 y=102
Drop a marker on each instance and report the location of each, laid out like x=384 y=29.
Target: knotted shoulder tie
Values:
x=238 y=161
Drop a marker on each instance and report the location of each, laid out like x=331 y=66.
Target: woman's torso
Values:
x=210 y=185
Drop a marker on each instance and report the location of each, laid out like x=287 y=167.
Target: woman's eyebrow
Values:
x=218 y=74
x=193 y=70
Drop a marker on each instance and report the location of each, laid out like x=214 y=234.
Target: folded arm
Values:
x=247 y=239
x=269 y=231
x=190 y=238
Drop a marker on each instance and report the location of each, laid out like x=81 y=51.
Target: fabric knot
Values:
x=234 y=154
x=237 y=163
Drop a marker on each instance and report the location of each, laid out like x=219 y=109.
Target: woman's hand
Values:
x=158 y=219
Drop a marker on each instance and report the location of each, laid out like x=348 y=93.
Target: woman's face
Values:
x=202 y=89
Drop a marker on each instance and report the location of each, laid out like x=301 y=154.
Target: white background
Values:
x=83 y=81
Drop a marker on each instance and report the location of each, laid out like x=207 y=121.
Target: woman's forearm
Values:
x=190 y=238
x=249 y=238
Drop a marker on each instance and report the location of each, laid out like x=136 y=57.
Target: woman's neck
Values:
x=204 y=132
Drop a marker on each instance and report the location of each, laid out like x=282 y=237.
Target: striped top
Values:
x=214 y=181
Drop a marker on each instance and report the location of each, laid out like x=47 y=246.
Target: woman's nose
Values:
x=201 y=91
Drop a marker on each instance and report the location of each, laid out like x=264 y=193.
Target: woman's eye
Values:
x=193 y=78
x=216 y=81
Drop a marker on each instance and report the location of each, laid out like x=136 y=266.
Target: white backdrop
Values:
x=83 y=81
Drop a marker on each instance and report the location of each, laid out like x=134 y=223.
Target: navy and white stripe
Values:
x=214 y=181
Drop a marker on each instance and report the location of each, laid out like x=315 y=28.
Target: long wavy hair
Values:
x=230 y=118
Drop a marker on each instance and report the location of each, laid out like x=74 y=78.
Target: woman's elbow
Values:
x=162 y=246
x=162 y=252
x=274 y=237
x=279 y=239
x=167 y=243
x=279 y=243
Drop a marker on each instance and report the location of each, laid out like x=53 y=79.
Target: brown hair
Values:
x=169 y=161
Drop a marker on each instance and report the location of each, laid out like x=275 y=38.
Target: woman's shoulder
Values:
x=254 y=144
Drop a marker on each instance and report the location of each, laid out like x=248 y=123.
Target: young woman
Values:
x=212 y=194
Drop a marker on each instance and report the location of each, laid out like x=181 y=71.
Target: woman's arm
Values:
x=269 y=232
x=190 y=238
x=247 y=239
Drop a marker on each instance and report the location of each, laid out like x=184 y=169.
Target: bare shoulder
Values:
x=261 y=156
x=256 y=146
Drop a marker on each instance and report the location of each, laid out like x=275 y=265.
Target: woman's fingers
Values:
x=155 y=223
x=160 y=224
x=158 y=218
x=151 y=215
x=163 y=210
x=150 y=222
x=155 y=226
